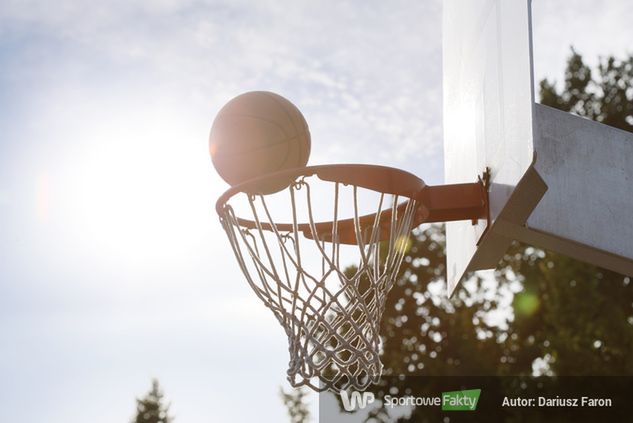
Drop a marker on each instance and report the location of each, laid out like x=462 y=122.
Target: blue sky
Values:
x=113 y=266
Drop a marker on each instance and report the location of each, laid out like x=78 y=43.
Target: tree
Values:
x=150 y=409
x=296 y=405
x=542 y=313
x=607 y=99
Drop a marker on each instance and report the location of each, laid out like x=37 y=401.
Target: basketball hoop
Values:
x=326 y=281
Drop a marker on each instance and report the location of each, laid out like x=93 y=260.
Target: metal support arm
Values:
x=444 y=203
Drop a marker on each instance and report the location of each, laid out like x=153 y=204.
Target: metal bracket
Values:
x=445 y=203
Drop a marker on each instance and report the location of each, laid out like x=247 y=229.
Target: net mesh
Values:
x=328 y=297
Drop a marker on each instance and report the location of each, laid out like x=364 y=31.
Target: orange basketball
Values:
x=257 y=133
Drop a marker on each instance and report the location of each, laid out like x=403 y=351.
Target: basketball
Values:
x=255 y=134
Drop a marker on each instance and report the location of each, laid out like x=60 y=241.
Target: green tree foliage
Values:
x=150 y=408
x=541 y=313
x=607 y=98
x=426 y=333
x=296 y=405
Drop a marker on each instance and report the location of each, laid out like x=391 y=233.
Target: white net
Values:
x=325 y=282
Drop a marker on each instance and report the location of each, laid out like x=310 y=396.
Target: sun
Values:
x=136 y=186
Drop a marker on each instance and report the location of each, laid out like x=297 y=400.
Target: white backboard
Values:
x=488 y=122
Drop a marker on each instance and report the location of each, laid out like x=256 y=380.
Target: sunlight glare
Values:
x=140 y=188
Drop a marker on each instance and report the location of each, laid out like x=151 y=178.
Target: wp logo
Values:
x=356 y=400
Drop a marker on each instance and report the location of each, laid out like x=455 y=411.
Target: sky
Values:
x=113 y=266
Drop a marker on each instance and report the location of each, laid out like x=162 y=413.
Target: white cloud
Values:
x=593 y=28
x=364 y=77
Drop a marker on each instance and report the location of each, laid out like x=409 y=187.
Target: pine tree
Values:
x=296 y=405
x=150 y=409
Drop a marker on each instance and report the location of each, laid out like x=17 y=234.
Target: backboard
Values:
x=488 y=123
